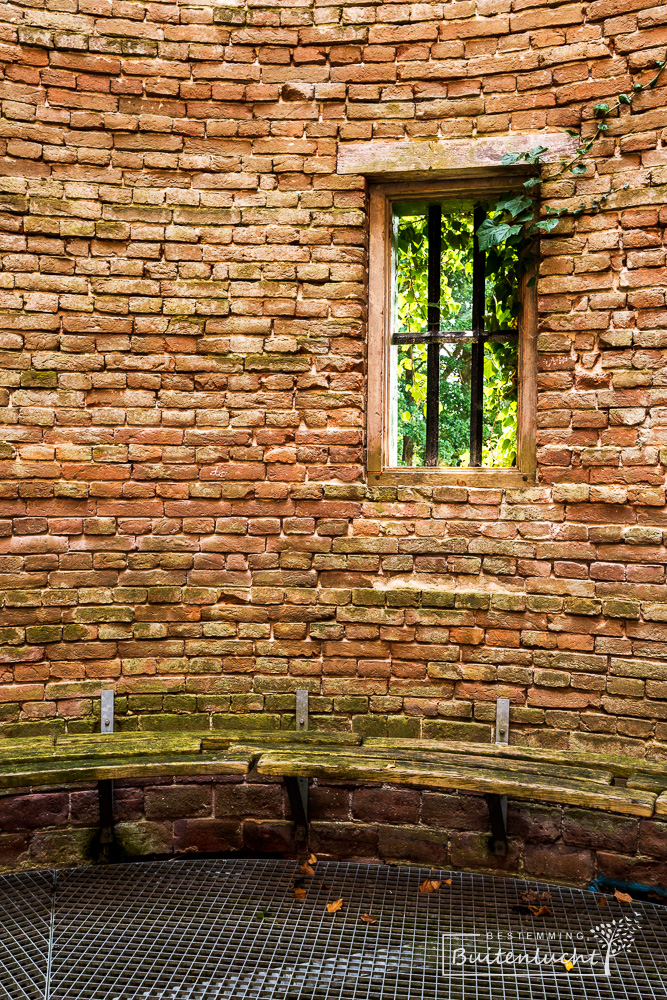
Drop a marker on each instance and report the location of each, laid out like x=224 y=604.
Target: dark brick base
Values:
x=228 y=815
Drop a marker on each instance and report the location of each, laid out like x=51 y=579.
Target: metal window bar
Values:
x=433 y=336
x=433 y=348
x=477 y=359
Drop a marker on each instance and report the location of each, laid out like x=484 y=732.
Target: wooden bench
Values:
x=623 y=785
x=105 y=757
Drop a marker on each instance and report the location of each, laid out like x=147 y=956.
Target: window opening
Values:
x=453 y=382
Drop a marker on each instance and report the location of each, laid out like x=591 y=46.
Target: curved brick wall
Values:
x=184 y=512
x=368 y=823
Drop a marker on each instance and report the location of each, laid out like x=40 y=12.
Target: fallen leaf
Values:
x=335 y=906
x=430 y=885
x=568 y=964
x=535 y=896
x=368 y=919
x=299 y=893
x=623 y=897
x=447 y=881
x=312 y=860
x=540 y=911
x=601 y=901
x=306 y=869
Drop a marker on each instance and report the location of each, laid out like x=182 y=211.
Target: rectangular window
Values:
x=451 y=341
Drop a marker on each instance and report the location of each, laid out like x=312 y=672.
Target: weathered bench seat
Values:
x=622 y=785
x=517 y=779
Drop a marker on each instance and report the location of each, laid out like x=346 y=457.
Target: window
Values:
x=451 y=341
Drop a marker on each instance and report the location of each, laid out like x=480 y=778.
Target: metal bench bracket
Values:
x=498 y=803
x=297 y=788
x=107 y=842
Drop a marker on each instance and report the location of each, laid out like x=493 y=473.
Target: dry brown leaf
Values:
x=601 y=901
x=535 y=896
x=368 y=919
x=430 y=885
x=540 y=911
x=306 y=869
x=623 y=897
x=312 y=859
x=447 y=881
x=335 y=906
x=299 y=893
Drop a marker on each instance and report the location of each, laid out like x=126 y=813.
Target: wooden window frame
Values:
x=382 y=197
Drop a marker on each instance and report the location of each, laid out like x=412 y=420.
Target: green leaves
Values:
x=514 y=206
x=491 y=233
x=532 y=156
x=600 y=110
x=624 y=99
x=546 y=225
x=578 y=169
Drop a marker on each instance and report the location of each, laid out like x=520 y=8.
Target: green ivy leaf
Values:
x=546 y=225
x=509 y=158
x=532 y=182
x=600 y=110
x=637 y=87
x=491 y=234
x=624 y=99
x=514 y=206
x=655 y=79
x=578 y=169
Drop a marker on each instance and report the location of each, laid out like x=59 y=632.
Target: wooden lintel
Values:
x=440 y=156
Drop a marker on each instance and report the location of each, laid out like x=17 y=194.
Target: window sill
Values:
x=504 y=478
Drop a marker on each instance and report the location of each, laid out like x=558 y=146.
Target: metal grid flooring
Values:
x=233 y=930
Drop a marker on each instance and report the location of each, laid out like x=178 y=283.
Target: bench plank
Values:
x=363 y=766
x=260 y=737
x=649 y=782
x=127 y=744
x=26 y=748
x=72 y=770
x=661 y=805
x=621 y=767
x=444 y=759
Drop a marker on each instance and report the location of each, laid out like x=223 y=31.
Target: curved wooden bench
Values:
x=106 y=757
x=622 y=785
x=609 y=783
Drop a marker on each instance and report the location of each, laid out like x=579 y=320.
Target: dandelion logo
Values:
x=615 y=937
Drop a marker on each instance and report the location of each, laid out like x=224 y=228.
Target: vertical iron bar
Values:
x=477 y=360
x=433 y=350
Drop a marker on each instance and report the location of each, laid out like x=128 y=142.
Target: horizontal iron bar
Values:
x=454 y=337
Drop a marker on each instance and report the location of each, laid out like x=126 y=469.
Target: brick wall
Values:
x=184 y=513
x=158 y=817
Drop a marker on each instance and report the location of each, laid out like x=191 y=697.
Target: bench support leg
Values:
x=297 y=792
x=107 y=839
x=498 y=815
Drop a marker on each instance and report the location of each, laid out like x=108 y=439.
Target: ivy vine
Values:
x=513 y=220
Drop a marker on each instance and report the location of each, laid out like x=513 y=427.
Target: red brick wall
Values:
x=183 y=508
x=228 y=815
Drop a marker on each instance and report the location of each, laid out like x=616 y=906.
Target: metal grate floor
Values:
x=230 y=930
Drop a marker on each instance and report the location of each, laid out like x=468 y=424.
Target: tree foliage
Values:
x=502 y=306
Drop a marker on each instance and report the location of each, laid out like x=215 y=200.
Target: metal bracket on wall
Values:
x=498 y=803
x=297 y=788
x=105 y=785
